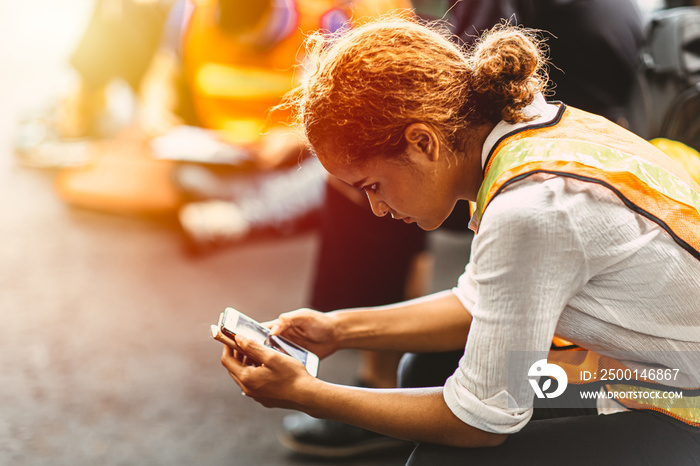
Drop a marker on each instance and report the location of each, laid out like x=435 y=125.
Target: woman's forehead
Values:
x=341 y=166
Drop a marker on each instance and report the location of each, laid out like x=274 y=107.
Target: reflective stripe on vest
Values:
x=643 y=177
x=590 y=148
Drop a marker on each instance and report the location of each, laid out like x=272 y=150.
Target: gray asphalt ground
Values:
x=105 y=353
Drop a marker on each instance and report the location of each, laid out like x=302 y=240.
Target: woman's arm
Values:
x=434 y=323
x=415 y=414
x=418 y=414
x=438 y=322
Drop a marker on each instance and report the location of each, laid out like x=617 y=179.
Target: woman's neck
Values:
x=470 y=174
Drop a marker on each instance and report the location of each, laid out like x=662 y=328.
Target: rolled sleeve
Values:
x=491 y=414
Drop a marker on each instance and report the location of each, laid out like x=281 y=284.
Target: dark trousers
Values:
x=562 y=437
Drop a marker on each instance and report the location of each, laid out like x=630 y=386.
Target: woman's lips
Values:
x=404 y=219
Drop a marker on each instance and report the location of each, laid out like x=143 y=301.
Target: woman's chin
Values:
x=426 y=225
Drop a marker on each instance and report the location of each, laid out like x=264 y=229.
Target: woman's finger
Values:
x=270 y=323
x=234 y=368
x=230 y=360
x=277 y=326
x=238 y=382
x=256 y=351
x=287 y=321
x=231 y=343
x=218 y=336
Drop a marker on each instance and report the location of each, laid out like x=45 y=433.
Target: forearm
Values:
x=419 y=415
x=415 y=414
x=438 y=322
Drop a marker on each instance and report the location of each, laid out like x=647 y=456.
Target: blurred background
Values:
x=105 y=350
x=125 y=230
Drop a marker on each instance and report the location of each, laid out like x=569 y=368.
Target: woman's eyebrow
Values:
x=360 y=183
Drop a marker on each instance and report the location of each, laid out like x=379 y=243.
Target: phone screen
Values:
x=286 y=346
x=248 y=328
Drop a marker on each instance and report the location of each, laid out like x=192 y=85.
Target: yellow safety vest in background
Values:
x=233 y=86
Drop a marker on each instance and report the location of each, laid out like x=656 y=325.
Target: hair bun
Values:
x=507 y=69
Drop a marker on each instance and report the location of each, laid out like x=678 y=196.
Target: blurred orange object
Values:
x=124 y=179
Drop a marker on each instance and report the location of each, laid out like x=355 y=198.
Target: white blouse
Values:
x=556 y=254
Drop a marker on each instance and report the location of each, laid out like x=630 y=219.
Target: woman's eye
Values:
x=372 y=187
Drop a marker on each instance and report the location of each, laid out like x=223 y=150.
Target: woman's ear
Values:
x=421 y=139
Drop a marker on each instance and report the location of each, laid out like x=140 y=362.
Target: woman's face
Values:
x=414 y=189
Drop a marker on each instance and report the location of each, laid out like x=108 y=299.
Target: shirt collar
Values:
x=540 y=109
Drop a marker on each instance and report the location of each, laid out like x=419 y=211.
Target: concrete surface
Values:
x=105 y=354
x=104 y=348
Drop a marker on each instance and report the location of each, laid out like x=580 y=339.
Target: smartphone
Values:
x=233 y=322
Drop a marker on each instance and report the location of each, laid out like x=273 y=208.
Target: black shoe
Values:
x=330 y=439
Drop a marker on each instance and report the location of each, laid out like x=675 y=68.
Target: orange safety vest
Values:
x=233 y=86
x=580 y=145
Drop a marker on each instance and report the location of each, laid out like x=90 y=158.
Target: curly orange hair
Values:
x=367 y=84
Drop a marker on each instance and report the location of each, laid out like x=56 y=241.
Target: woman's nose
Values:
x=379 y=208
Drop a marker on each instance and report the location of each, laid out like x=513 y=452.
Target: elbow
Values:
x=494 y=440
x=479 y=439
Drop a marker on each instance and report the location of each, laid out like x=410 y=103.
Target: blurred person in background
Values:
x=204 y=89
x=204 y=92
x=117 y=47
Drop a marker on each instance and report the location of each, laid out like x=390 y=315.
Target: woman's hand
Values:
x=275 y=380
x=280 y=381
x=315 y=331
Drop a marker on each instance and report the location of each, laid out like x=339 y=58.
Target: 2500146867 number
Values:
x=658 y=375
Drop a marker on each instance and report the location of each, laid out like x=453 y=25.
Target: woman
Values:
x=583 y=230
